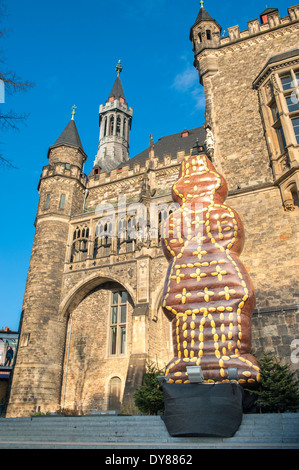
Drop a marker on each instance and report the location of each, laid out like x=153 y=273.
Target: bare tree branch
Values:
x=4 y=163
x=13 y=83
x=11 y=119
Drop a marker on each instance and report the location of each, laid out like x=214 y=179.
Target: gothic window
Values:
x=163 y=214
x=126 y=237
x=131 y=240
x=118 y=323
x=124 y=128
x=103 y=240
x=118 y=125
x=80 y=244
x=111 y=130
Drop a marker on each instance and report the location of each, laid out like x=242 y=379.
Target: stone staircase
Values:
x=257 y=431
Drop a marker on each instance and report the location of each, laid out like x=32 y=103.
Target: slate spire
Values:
x=69 y=137
x=117 y=91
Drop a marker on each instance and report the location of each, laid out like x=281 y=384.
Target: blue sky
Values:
x=69 y=49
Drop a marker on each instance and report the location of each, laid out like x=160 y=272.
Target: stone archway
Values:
x=89 y=360
x=82 y=289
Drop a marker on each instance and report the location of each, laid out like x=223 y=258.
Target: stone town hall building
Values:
x=91 y=314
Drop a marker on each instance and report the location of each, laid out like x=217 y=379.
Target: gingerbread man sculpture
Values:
x=208 y=293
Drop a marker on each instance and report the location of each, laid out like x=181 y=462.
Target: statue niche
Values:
x=208 y=294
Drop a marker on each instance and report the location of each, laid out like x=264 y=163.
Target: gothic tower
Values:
x=204 y=34
x=38 y=370
x=115 y=126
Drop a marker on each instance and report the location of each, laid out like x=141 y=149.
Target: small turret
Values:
x=62 y=183
x=68 y=147
x=205 y=33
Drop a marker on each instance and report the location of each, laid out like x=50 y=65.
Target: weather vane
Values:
x=119 y=68
x=201 y=3
x=73 y=112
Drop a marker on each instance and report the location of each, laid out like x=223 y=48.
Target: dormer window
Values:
x=96 y=171
x=111 y=99
x=184 y=134
x=121 y=100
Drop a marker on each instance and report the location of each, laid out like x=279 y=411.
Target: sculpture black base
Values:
x=207 y=410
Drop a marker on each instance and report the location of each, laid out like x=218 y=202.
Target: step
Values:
x=141 y=432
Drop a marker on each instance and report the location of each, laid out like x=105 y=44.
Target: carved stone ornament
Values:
x=288 y=205
x=208 y=293
x=210 y=141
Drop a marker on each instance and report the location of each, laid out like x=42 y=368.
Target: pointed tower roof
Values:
x=203 y=15
x=117 y=90
x=70 y=136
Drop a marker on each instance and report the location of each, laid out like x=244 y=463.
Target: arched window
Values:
x=163 y=214
x=114 y=402
x=80 y=244
x=103 y=239
x=124 y=128
x=118 y=125
x=111 y=129
x=209 y=36
x=105 y=127
x=131 y=238
x=126 y=237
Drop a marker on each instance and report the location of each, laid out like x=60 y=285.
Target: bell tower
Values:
x=115 y=125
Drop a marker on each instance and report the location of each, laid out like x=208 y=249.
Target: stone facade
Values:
x=81 y=348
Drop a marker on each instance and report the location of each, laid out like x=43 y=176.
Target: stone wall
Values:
x=232 y=107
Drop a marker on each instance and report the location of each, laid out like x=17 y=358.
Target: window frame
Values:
x=62 y=201
x=47 y=202
x=118 y=347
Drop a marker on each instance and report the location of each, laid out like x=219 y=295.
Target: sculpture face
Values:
x=208 y=293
